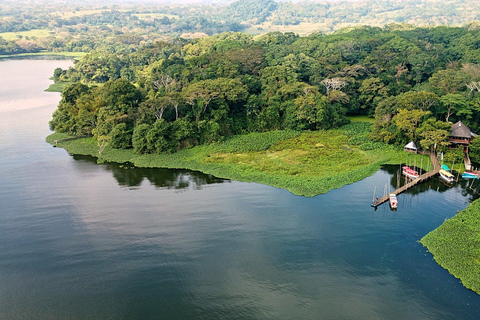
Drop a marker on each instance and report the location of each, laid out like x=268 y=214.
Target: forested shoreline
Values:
x=175 y=95
x=185 y=97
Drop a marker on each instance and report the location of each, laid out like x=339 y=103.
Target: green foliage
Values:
x=455 y=244
x=57 y=26
x=158 y=137
x=139 y=138
x=454 y=156
x=358 y=133
x=211 y=88
x=474 y=150
x=246 y=10
x=253 y=141
x=433 y=132
x=121 y=136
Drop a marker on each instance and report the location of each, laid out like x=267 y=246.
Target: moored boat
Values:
x=393 y=201
x=446 y=176
x=470 y=175
x=409 y=172
x=445 y=167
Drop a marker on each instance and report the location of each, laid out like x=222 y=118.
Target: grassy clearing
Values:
x=455 y=246
x=361 y=119
x=57 y=87
x=38 y=33
x=73 y=55
x=307 y=164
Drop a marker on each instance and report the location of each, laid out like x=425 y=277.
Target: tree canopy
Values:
x=172 y=95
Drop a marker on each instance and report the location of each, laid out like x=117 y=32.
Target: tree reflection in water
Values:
x=130 y=176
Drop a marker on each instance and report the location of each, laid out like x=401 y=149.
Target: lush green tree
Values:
x=408 y=121
x=139 y=138
x=452 y=104
x=157 y=137
x=121 y=136
x=372 y=91
x=434 y=132
x=421 y=100
x=474 y=150
x=454 y=156
x=99 y=67
x=121 y=95
x=448 y=81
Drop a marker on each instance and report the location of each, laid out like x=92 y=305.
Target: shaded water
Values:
x=81 y=240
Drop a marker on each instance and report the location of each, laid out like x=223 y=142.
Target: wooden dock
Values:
x=423 y=177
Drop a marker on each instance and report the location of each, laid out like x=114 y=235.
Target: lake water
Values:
x=80 y=240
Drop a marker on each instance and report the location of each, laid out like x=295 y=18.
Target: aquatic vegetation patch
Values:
x=307 y=163
x=455 y=246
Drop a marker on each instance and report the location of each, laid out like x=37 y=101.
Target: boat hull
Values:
x=393 y=202
x=446 y=176
x=469 y=176
x=410 y=173
x=411 y=176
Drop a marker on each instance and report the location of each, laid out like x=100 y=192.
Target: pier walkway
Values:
x=423 y=177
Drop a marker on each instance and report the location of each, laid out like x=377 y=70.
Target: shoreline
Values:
x=454 y=246
x=283 y=168
x=49 y=54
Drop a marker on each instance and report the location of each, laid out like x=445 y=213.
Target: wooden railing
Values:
x=463 y=141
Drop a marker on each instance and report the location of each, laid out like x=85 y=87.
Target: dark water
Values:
x=80 y=240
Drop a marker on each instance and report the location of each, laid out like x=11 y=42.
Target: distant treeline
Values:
x=178 y=94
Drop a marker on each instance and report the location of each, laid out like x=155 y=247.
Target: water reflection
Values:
x=129 y=176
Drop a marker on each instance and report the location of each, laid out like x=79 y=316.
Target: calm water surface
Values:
x=80 y=240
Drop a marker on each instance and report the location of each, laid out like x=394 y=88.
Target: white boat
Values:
x=409 y=172
x=446 y=176
x=393 y=201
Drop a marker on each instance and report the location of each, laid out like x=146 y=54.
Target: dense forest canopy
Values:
x=173 y=95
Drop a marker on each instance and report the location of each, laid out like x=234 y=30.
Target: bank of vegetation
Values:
x=176 y=95
x=307 y=163
x=455 y=246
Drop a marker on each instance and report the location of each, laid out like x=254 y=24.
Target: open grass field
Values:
x=455 y=246
x=307 y=164
x=38 y=33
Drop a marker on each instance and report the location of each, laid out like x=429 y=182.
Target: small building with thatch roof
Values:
x=461 y=135
x=411 y=147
